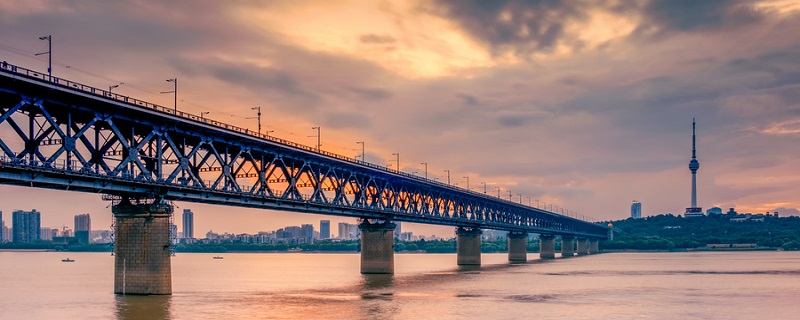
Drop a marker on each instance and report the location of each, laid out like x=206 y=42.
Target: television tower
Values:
x=693 y=166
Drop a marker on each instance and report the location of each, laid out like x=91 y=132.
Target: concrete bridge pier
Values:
x=517 y=246
x=142 y=248
x=468 y=246
x=547 y=246
x=594 y=246
x=583 y=246
x=377 y=247
x=567 y=246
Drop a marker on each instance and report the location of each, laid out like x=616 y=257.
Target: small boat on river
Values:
x=67 y=260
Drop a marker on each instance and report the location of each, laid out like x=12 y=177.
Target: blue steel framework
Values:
x=68 y=136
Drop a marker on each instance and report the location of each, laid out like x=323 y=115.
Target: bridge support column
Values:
x=567 y=246
x=468 y=246
x=377 y=247
x=517 y=246
x=142 y=248
x=594 y=246
x=583 y=247
x=547 y=246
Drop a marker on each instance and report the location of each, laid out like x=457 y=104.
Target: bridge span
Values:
x=63 y=135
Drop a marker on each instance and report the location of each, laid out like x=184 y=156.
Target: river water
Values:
x=688 y=285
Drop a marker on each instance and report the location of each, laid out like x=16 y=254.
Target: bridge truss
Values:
x=63 y=135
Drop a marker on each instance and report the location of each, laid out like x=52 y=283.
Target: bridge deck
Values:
x=68 y=136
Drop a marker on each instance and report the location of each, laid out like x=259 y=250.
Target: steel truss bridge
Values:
x=58 y=134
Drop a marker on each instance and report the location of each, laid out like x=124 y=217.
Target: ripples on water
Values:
x=740 y=285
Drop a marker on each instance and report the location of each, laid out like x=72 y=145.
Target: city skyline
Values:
x=560 y=109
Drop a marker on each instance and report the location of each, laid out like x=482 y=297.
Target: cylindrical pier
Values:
x=583 y=247
x=468 y=246
x=517 y=246
x=567 y=246
x=594 y=246
x=547 y=246
x=377 y=248
x=142 y=248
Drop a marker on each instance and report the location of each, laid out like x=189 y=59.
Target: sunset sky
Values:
x=584 y=104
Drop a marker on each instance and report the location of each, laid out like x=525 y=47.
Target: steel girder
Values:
x=61 y=135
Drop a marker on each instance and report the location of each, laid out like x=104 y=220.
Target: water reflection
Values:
x=142 y=307
x=377 y=281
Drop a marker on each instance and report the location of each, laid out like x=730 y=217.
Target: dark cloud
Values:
x=345 y=120
x=370 y=93
x=521 y=26
x=692 y=15
x=469 y=100
x=374 y=38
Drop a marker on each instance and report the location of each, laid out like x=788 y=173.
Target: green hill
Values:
x=667 y=232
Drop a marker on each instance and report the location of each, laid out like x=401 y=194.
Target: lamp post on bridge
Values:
x=529 y=201
x=426 y=169
x=448 y=176
x=362 y=150
x=520 y=198
x=484 y=187
x=113 y=86
x=258 y=108
x=467 y=182
x=319 y=143
x=175 y=92
x=398 y=160
x=49 y=53
x=498 y=192
x=203 y=113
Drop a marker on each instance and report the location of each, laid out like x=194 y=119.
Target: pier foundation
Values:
x=567 y=246
x=547 y=246
x=142 y=248
x=468 y=246
x=583 y=247
x=517 y=246
x=377 y=247
x=594 y=246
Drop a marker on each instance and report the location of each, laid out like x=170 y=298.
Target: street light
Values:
x=484 y=187
x=49 y=53
x=426 y=169
x=362 y=150
x=520 y=198
x=448 y=176
x=498 y=192
x=467 y=182
x=175 y=91
x=258 y=108
x=203 y=113
x=111 y=87
x=398 y=160
x=319 y=144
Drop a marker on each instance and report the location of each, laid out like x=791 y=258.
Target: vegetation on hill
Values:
x=667 y=232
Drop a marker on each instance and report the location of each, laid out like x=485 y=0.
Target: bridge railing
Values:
x=171 y=111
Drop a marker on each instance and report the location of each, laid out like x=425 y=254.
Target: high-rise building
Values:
x=397 y=229
x=348 y=231
x=694 y=210
x=26 y=225
x=188 y=224
x=83 y=224
x=307 y=233
x=636 y=210
x=324 y=229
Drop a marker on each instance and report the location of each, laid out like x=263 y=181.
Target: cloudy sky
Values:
x=584 y=104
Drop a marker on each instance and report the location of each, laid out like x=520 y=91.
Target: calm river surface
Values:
x=701 y=285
